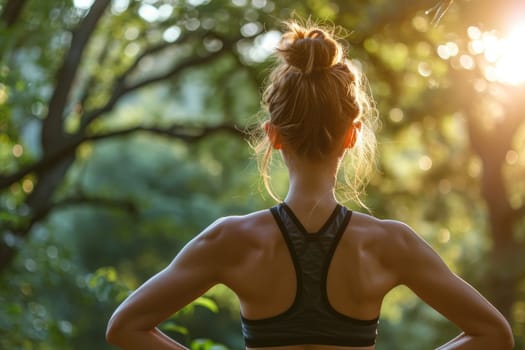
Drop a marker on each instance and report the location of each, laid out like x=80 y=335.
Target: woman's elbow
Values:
x=114 y=331
x=504 y=342
x=507 y=338
x=502 y=336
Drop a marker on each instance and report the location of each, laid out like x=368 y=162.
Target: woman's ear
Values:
x=273 y=135
x=352 y=134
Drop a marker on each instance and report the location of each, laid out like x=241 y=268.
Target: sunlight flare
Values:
x=505 y=56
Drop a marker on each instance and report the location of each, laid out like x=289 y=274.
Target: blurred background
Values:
x=122 y=136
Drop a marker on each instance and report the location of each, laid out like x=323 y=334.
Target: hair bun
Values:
x=310 y=49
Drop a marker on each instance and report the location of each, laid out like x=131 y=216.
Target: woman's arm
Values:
x=424 y=272
x=464 y=341
x=193 y=271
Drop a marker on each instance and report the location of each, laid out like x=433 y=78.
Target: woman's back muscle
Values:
x=265 y=278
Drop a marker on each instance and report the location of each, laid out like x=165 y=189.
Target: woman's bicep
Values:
x=193 y=271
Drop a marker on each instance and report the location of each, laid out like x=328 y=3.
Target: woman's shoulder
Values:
x=244 y=223
x=395 y=235
x=239 y=227
x=396 y=244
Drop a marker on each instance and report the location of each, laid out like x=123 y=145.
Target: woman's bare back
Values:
x=265 y=279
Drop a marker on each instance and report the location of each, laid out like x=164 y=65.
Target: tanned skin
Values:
x=249 y=255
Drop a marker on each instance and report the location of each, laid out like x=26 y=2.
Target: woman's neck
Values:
x=312 y=184
x=311 y=193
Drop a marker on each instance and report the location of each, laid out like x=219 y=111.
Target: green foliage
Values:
x=106 y=286
x=127 y=204
x=37 y=294
x=206 y=344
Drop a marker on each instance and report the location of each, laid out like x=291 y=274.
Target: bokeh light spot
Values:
x=425 y=163
x=396 y=115
x=512 y=157
x=17 y=150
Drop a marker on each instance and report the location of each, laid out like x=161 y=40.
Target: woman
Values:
x=309 y=273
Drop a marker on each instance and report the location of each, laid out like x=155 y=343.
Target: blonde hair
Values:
x=313 y=96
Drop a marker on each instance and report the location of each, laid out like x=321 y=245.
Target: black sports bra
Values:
x=310 y=319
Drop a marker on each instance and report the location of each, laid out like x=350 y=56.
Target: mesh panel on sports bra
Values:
x=310 y=319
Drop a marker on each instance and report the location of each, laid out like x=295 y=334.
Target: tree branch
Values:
x=122 y=78
x=46 y=162
x=148 y=51
x=91 y=79
x=52 y=128
x=184 y=133
x=121 y=89
x=12 y=11
x=393 y=12
x=8 y=251
x=79 y=199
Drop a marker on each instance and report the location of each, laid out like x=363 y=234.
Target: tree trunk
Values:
x=503 y=276
x=12 y=11
x=53 y=138
x=37 y=202
x=492 y=145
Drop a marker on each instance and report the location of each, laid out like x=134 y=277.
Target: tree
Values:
x=83 y=94
x=492 y=112
x=70 y=76
x=58 y=144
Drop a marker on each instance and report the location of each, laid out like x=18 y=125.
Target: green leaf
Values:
x=207 y=303
x=173 y=327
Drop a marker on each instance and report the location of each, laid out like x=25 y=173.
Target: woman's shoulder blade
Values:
x=391 y=239
x=380 y=228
